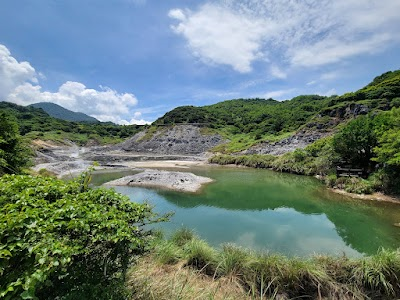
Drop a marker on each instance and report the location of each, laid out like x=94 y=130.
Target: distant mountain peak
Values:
x=59 y=112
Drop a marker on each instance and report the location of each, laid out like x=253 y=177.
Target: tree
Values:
x=388 y=132
x=355 y=142
x=14 y=155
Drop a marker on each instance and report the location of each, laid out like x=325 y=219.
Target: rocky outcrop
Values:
x=174 y=140
x=179 y=181
x=297 y=141
x=345 y=112
x=313 y=131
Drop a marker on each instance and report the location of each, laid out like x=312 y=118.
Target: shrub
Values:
x=358 y=186
x=330 y=180
x=61 y=238
x=14 y=154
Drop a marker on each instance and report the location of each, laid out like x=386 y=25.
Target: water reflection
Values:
x=283 y=213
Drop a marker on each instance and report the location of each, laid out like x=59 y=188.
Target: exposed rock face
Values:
x=299 y=140
x=179 y=139
x=180 y=181
x=351 y=110
x=307 y=136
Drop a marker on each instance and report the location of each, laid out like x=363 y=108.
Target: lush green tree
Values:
x=14 y=156
x=63 y=240
x=355 y=142
x=387 y=152
x=388 y=133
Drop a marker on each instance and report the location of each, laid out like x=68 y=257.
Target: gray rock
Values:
x=297 y=141
x=174 y=140
x=179 y=181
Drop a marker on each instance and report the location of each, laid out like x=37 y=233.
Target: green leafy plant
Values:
x=61 y=238
x=14 y=155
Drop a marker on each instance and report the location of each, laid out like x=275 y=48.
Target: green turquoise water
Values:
x=269 y=211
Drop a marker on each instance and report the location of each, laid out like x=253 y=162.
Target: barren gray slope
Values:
x=178 y=139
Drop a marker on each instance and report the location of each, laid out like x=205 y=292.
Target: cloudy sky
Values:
x=130 y=61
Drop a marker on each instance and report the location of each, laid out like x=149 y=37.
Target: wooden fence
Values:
x=350 y=172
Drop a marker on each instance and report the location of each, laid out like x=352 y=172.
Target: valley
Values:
x=230 y=176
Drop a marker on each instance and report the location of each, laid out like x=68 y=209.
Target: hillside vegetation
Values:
x=246 y=122
x=256 y=118
x=34 y=123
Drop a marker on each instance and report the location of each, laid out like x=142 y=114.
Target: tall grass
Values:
x=250 y=275
x=200 y=255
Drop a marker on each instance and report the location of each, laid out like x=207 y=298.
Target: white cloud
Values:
x=312 y=82
x=137 y=119
x=298 y=33
x=13 y=73
x=332 y=51
x=177 y=14
x=218 y=35
x=278 y=73
x=104 y=104
x=19 y=84
x=330 y=75
x=118 y=120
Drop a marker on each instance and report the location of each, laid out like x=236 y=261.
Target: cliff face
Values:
x=172 y=140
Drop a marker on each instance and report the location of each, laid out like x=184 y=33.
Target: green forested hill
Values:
x=59 y=112
x=265 y=117
x=382 y=93
x=36 y=123
x=255 y=116
x=246 y=122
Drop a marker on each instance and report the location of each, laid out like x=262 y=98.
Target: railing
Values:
x=349 y=172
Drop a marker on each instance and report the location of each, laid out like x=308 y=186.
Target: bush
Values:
x=379 y=180
x=330 y=180
x=14 y=155
x=59 y=239
x=358 y=186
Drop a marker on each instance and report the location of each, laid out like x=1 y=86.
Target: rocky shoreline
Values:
x=71 y=160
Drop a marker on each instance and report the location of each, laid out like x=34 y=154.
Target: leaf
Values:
x=28 y=294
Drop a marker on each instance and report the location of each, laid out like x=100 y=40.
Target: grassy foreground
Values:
x=186 y=267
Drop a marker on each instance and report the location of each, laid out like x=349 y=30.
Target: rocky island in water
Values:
x=180 y=181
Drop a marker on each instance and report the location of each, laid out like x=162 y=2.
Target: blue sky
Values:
x=131 y=61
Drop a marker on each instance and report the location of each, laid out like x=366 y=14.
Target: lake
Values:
x=275 y=212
